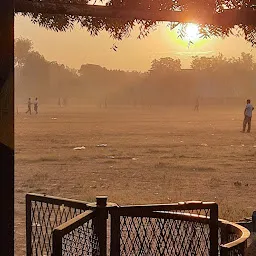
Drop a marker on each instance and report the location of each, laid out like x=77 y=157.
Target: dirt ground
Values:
x=153 y=155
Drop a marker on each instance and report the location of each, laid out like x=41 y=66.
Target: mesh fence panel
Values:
x=81 y=241
x=236 y=250
x=146 y=236
x=153 y=236
x=45 y=217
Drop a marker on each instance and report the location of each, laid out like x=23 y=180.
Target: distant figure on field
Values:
x=29 y=106
x=59 y=102
x=65 y=101
x=197 y=105
x=36 y=105
x=248 y=116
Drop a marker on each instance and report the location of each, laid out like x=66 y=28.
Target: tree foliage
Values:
x=22 y=49
x=91 y=70
x=119 y=29
x=165 y=65
x=35 y=74
x=220 y=63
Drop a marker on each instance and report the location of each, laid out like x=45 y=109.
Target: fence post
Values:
x=214 y=230
x=28 y=226
x=115 y=233
x=243 y=248
x=57 y=243
x=224 y=233
x=7 y=127
x=223 y=251
x=254 y=221
x=101 y=223
x=224 y=239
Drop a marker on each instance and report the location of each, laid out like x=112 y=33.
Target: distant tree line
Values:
x=35 y=76
x=165 y=83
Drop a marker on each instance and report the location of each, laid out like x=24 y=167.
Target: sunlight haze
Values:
x=77 y=47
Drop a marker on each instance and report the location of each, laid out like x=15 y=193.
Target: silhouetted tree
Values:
x=165 y=65
x=22 y=49
x=222 y=64
x=35 y=75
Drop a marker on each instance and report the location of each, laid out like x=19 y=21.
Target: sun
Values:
x=192 y=32
x=187 y=35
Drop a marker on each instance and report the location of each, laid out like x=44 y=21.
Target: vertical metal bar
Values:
x=28 y=226
x=223 y=251
x=101 y=223
x=115 y=233
x=56 y=243
x=7 y=127
x=214 y=230
x=224 y=234
x=243 y=248
x=254 y=221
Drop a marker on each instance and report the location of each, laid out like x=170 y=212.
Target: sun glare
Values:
x=192 y=32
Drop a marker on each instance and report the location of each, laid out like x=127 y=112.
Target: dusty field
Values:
x=152 y=156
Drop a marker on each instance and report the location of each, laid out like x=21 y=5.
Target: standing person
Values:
x=29 y=106
x=65 y=102
x=36 y=106
x=197 y=105
x=248 y=116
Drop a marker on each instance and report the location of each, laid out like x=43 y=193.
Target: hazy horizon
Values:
x=77 y=47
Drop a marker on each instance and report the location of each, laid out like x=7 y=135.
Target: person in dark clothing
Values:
x=29 y=106
x=197 y=105
x=36 y=106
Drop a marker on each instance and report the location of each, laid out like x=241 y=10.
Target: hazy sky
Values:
x=77 y=47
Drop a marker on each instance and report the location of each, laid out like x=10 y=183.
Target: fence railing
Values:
x=61 y=227
x=233 y=239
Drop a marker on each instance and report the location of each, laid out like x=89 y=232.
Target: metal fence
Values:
x=62 y=227
x=43 y=214
x=176 y=229
x=77 y=236
x=86 y=234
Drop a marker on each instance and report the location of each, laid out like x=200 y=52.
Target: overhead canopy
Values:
x=118 y=17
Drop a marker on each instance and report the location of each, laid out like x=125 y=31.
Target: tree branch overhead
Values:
x=217 y=18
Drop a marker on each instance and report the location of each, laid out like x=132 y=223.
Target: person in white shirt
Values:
x=248 y=116
x=36 y=106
